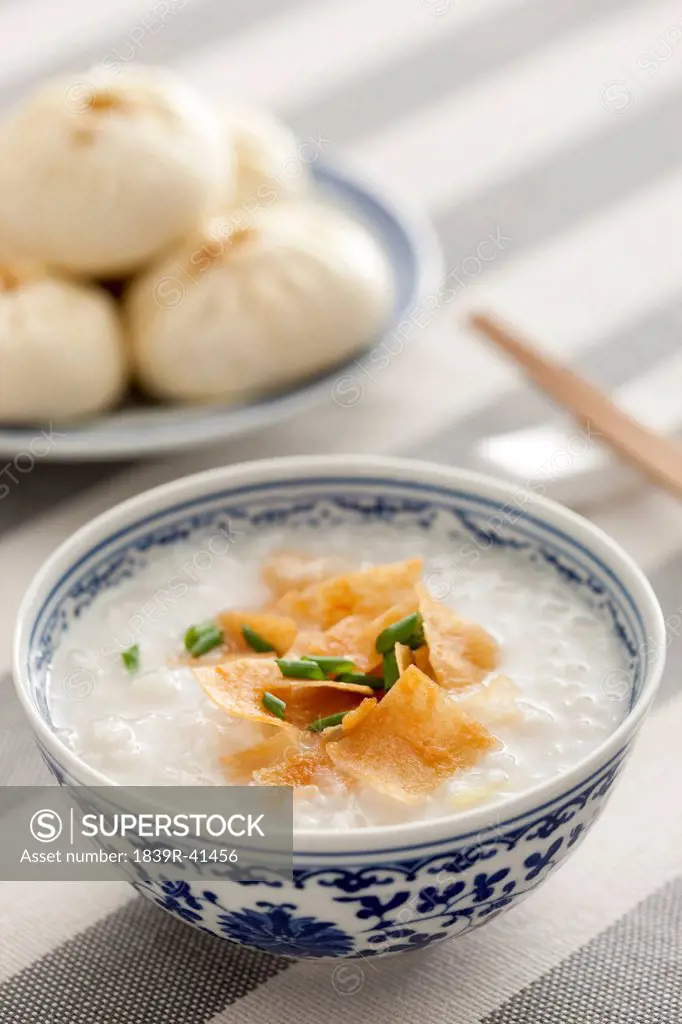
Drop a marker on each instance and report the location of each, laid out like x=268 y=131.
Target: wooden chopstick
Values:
x=658 y=457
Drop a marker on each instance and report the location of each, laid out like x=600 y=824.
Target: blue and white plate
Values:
x=412 y=249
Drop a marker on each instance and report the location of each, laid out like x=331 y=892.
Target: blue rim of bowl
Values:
x=573 y=529
x=411 y=244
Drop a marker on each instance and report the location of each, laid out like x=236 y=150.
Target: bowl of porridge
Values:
x=448 y=672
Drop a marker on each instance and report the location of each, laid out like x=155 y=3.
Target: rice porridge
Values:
x=144 y=699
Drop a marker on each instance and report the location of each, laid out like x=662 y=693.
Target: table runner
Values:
x=551 y=126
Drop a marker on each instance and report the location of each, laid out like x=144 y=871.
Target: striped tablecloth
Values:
x=554 y=125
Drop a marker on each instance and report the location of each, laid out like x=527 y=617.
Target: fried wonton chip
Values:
x=308 y=701
x=346 y=639
x=407 y=606
x=279 y=631
x=494 y=702
x=461 y=653
x=353 y=718
x=369 y=592
x=241 y=765
x=238 y=686
x=411 y=740
x=295 y=570
x=423 y=662
x=353 y=637
x=299 y=767
x=403 y=657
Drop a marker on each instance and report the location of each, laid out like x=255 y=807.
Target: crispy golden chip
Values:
x=411 y=740
x=494 y=702
x=354 y=717
x=423 y=662
x=295 y=570
x=322 y=604
x=403 y=657
x=480 y=648
x=309 y=641
x=240 y=766
x=460 y=652
x=277 y=630
x=406 y=606
x=345 y=639
x=308 y=701
x=353 y=637
x=238 y=686
x=370 y=593
x=300 y=767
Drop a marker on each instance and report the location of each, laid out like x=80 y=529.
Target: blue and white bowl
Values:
x=369 y=891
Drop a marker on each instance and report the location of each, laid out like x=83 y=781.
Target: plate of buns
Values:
x=174 y=271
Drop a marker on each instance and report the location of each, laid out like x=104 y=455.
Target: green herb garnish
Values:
x=131 y=658
x=329 y=664
x=300 y=669
x=327 y=723
x=194 y=632
x=416 y=638
x=390 y=666
x=202 y=638
x=376 y=682
x=408 y=631
x=274 y=704
x=255 y=641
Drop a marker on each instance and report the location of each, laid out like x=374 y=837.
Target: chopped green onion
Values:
x=131 y=658
x=255 y=641
x=274 y=704
x=194 y=632
x=330 y=664
x=202 y=638
x=417 y=638
x=327 y=723
x=300 y=669
x=408 y=631
x=206 y=642
x=390 y=667
x=376 y=682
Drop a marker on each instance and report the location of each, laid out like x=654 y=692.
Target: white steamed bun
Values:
x=230 y=316
x=99 y=176
x=62 y=354
x=269 y=163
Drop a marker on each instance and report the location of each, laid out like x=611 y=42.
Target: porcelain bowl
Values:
x=370 y=891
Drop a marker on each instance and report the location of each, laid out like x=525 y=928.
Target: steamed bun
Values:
x=269 y=163
x=96 y=178
x=233 y=315
x=61 y=348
